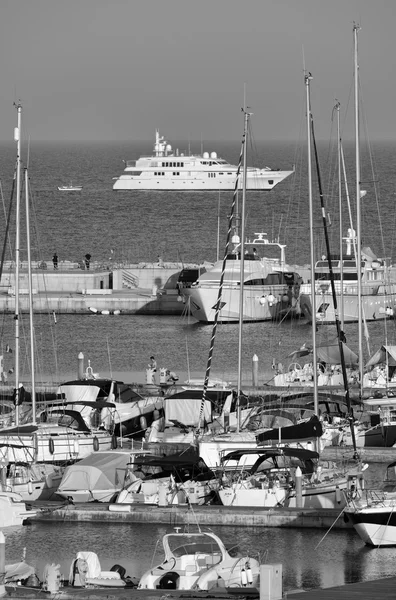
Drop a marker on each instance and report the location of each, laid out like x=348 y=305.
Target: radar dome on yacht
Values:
x=168 y=147
x=205 y=155
x=213 y=155
x=235 y=239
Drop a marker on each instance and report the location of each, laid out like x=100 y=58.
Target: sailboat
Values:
x=26 y=444
x=373 y=515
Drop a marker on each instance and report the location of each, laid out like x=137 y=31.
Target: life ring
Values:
x=95 y=444
x=114 y=442
x=51 y=446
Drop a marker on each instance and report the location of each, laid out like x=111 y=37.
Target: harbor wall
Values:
x=186 y=515
x=129 y=289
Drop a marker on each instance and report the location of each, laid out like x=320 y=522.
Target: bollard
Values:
x=299 y=501
x=2 y=564
x=80 y=368
x=255 y=370
x=162 y=493
x=271 y=587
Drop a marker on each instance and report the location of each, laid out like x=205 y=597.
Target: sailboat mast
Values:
x=242 y=268
x=17 y=138
x=337 y=108
x=308 y=78
x=356 y=28
x=31 y=328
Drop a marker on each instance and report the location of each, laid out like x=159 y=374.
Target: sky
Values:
x=119 y=69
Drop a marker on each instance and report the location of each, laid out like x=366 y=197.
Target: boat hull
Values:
x=376 y=526
x=202 y=300
x=320 y=496
x=262 y=181
x=375 y=306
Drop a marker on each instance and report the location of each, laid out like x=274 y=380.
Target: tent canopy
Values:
x=386 y=354
x=99 y=471
x=328 y=353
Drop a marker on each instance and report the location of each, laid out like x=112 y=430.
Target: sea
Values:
x=186 y=227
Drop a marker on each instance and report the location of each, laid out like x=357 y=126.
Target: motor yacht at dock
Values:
x=378 y=287
x=169 y=170
x=271 y=287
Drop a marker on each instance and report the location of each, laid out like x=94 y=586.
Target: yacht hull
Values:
x=374 y=306
x=202 y=301
x=263 y=181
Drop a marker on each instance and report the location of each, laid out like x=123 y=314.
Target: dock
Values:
x=365 y=590
x=183 y=514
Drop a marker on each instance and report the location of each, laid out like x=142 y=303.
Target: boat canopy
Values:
x=307 y=430
x=185 y=407
x=329 y=354
x=386 y=354
x=99 y=471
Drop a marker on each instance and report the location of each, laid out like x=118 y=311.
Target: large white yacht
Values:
x=169 y=170
x=271 y=288
x=378 y=287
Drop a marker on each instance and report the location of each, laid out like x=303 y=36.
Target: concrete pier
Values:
x=145 y=288
x=183 y=515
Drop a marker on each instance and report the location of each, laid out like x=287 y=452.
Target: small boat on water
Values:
x=70 y=188
x=200 y=561
x=168 y=170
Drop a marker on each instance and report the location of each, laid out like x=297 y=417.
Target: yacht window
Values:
x=271 y=181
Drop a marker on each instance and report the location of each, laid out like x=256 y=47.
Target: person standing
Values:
x=153 y=364
x=55 y=260
x=87 y=260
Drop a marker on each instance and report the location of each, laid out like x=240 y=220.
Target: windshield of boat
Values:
x=182 y=545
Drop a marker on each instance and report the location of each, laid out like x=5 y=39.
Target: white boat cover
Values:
x=187 y=412
x=18 y=572
x=79 y=393
x=386 y=354
x=99 y=471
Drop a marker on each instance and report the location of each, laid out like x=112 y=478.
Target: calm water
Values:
x=183 y=227
x=309 y=558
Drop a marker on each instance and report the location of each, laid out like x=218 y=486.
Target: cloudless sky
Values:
x=118 y=69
